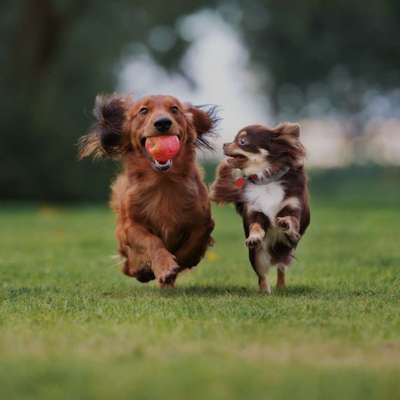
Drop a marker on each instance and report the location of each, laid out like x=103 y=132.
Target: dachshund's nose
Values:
x=163 y=124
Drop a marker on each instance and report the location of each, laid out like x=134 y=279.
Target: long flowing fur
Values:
x=164 y=220
x=105 y=138
x=206 y=127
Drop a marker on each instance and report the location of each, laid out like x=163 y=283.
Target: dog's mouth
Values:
x=234 y=157
x=232 y=151
x=161 y=150
x=238 y=157
x=161 y=165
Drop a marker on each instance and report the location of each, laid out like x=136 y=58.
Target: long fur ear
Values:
x=289 y=134
x=289 y=129
x=106 y=138
x=205 y=120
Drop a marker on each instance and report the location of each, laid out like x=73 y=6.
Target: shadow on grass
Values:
x=297 y=290
x=195 y=291
x=208 y=291
x=240 y=291
x=35 y=291
x=212 y=291
x=191 y=291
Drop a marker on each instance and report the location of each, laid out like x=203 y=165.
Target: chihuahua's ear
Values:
x=205 y=120
x=289 y=129
x=289 y=134
x=107 y=138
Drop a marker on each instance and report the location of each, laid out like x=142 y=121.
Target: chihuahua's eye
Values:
x=242 y=141
x=174 y=109
x=143 y=111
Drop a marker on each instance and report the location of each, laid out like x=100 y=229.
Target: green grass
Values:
x=72 y=326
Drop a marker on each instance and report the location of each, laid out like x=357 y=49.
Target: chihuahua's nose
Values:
x=162 y=124
x=224 y=145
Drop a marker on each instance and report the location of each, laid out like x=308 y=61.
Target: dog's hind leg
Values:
x=261 y=264
x=280 y=281
x=263 y=284
x=256 y=226
x=194 y=247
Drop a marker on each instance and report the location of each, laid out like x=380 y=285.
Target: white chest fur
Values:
x=266 y=199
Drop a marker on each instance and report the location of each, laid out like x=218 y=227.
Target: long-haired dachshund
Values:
x=163 y=212
x=264 y=176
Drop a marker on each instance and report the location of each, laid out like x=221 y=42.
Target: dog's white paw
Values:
x=254 y=240
x=288 y=228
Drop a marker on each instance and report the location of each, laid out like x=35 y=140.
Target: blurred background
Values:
x=334 y=66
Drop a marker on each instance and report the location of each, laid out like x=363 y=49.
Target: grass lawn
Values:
x=72 y=326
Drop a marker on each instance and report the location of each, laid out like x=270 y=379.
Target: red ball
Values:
x=163 y=148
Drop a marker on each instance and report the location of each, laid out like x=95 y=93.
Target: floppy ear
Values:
x=107 y=136
x=205 y=120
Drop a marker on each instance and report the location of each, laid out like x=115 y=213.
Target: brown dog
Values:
x=163 y=213
x=270 y=193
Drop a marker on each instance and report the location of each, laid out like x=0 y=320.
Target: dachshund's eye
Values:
x=174 y=109
x=143 y=111
x=242 y=141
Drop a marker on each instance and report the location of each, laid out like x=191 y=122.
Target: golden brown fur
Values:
x=163 y=217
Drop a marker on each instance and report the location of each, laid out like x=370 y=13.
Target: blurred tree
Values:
x=55 y=55
x=323 y=53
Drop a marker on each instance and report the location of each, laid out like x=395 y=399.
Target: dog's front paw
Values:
x=167 y=278
x=253 y=241
x=288 y=228
x=165 y=268
x=224 y=170
x=256 y=236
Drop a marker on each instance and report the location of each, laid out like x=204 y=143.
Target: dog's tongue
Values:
x=163 y=148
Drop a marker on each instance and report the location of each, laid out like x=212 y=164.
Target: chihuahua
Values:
x=264 y=177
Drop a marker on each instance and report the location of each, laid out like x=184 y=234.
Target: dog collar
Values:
x=261 y=180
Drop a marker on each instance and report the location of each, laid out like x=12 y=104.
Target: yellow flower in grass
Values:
x=46 y=210
x=211 y=256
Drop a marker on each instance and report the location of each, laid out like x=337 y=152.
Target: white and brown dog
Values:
x=270 y=194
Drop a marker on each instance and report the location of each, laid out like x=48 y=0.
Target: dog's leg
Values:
x=256 y=235
x=263 y=284
x=136 y=263
x=138 y=266
x=223 y=189
x=193 y=248
x=169 y=285
x=149 y=248
x=261 y=264
x=256 y=226
x=280 y=282
x=288 y=220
